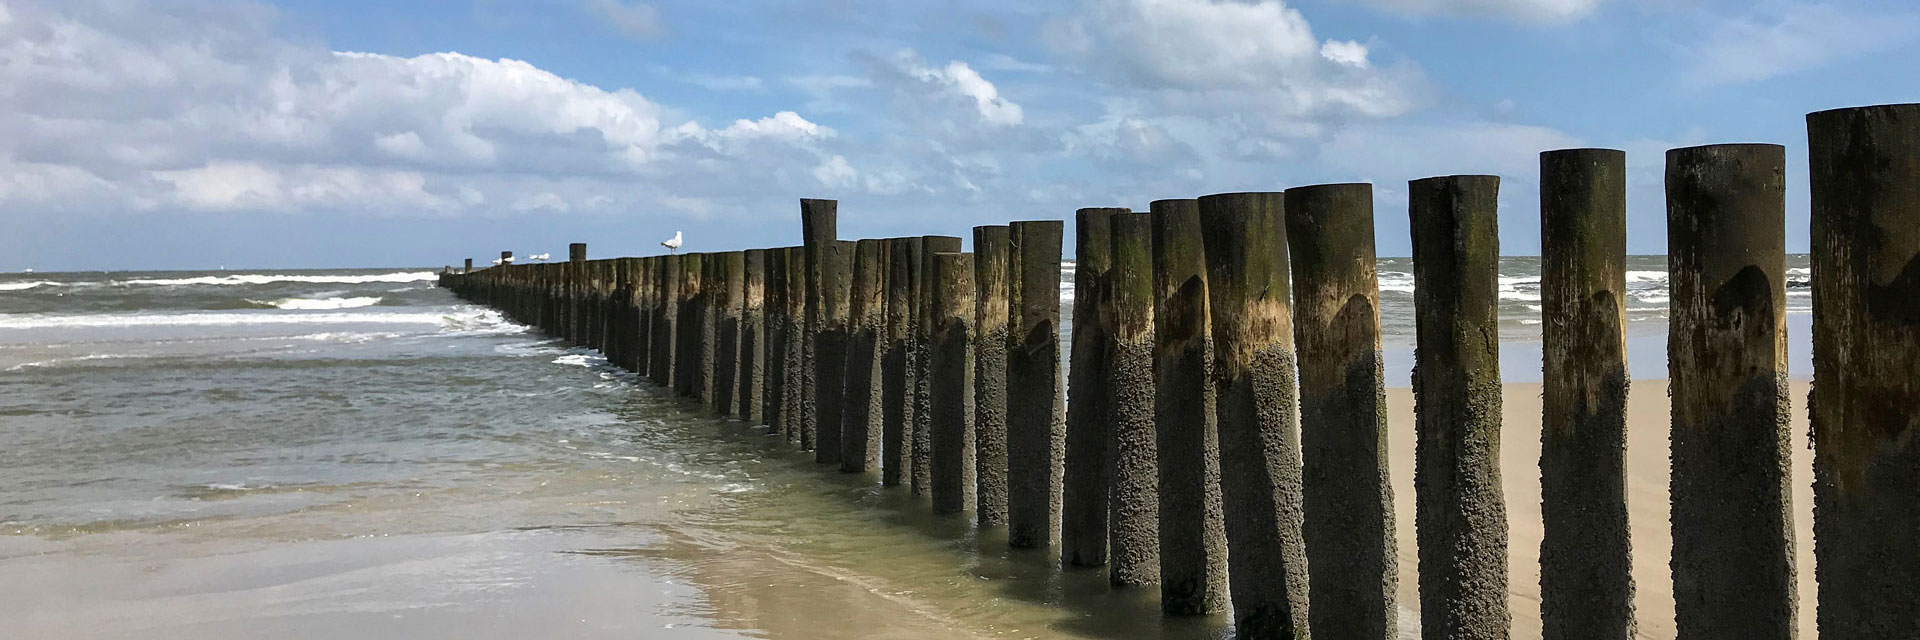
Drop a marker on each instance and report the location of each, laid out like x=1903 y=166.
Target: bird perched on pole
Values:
x=673 y=244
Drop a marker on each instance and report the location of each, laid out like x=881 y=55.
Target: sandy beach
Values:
x=1647 y=418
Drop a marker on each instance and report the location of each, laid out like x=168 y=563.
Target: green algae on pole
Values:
x=860 y=436
x=819 y=227
x=1460 y=514
x=921 y=481
x=1193 y=540
x=1586 y=556
x=751 y=370
x=1083 y=506
x=1865 y=165
x=990 y=250
x=666 y=295
x=1133 y=503
x=897 y=368
x=951 y=382
x=1035 y=433
x=1733 y=572
x=1343 y=413
x=1245 y=238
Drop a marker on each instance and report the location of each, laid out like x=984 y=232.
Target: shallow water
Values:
x=325 y=453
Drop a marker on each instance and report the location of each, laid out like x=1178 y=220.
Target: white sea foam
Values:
x=580 y=360
x=22 y=286
x=267 y=278
x=60 y=361
x=322 y=303
x=1646 y=276
x=461 y=319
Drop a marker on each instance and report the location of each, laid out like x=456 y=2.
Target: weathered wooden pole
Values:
x=1586 y=557
x=830 y=386
x=818 y=229
x=1866 y=349
x=1036 y=435
x=574 y=283
x=643 y=296
x=751 y=370
x=728 y=298
x=797 y=366
x=1193 y=542
x=952 y=382
x=774 y=389
x=861 y=422
x=1133 y=502
x=921 y=481
x=990 y=251
x=666 y=295
x=707 y=317
x=1083 y=504
x=468 y=268
x=1343 y=413
x=1460 y=516
x=687 y=348
x=897 y=390
x=1733 y=572
x=1245 y=238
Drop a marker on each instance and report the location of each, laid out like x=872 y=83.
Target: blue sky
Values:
x=195 y=134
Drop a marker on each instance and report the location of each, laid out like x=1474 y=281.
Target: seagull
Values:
x=539 y=257
x=673 y=245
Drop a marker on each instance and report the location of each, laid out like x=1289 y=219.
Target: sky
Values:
x=190 y=134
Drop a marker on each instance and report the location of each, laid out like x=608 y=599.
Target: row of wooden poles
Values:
x=1190 y=442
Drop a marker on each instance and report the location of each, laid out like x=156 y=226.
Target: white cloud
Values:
x=637 y=20
x=1782 y=38
x=1346 y=52
x=1259 y=58
x=1544 y=11
x=958 y=79
x=201 y=107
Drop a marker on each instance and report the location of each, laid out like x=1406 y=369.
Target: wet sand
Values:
x=810 y=554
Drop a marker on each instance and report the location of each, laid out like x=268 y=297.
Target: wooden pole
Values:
x=819 y=228
x=1193 y=541
x=1083 y=508
x=897 y=389
x=1460 y=516
x=1343 y=413
x=1245 y=238
x=921 y=482
x=860 y=436
x=1866 y=349
x=990 y=268
x=952 y=382
x=1133 y=502
x=1035 y=432
x=1733 y=573
x=1586 y=556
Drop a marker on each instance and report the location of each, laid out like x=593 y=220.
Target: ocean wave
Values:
x=309 y=304
x=463 y=319
x=85 y=358
x=255 y=279
x=22 y=286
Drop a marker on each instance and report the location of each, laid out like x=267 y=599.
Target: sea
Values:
x=340 y=453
